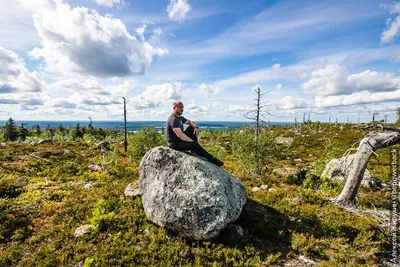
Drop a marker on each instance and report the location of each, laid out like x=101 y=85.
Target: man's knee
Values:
x=189 y=130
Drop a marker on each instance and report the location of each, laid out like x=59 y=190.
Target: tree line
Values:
x=13 y=132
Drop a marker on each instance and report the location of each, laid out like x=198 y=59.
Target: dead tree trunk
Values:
x=368 y=145
x=125 y=141
x=255 y=115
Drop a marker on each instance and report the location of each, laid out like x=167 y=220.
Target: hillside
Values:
x=47 y=191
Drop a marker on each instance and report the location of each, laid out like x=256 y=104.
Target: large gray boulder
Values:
x=187 y=194
x=339 y=169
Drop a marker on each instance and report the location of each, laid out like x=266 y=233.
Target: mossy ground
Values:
x=43 y=201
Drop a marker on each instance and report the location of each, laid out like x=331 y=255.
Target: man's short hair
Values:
x=176 y=103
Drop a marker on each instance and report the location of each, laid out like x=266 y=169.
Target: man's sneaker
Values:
x=218 y=162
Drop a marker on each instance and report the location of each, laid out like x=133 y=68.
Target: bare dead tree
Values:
x=125 y=140
x=255 y=114
x=90 y=126
x=374 y=114
x=367 y=147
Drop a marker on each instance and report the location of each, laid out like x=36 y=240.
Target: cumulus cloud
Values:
x=14 y=76
x=92 y=86
x=89 y=92
x=197 y=109
x=79 y=40
x=155 y=95
x=31 y=99
x=63 y=103
x=177 y=9
x=108 y=3
x=209 y=90
x=334 y=79
x=237 y=109
x=290 y=102
x=8 y=101
x=363 y=97
x=392 y=25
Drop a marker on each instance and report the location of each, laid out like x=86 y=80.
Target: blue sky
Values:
x=68 y=60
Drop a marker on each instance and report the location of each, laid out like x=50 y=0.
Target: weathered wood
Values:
x=368 y=145
x=125 y=140
x=32 y=155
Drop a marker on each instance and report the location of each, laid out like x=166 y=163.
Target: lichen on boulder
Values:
x=339 y=169
x=187 y=194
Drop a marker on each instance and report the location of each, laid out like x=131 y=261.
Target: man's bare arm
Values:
x=181 y=135
x=196 y=128
x=191 y=123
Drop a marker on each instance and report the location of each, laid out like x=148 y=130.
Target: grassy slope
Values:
x=43 y=202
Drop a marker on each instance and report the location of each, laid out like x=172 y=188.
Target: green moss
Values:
x=43 y=202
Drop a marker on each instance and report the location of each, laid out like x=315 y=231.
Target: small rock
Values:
x=88 y=185
x=146 y=231
x=285 y=171
x=264 y=187
x=271 y=190
x=80 y=231
x=33 y=143
x=284 y=140
x=3 y=144
x=308 y=261
x=95 y=168
x=83 y=155
x=233 y=234
x=45 y=141
x=68 y=152
x=256 y=189
x=132 y=190
x=237 y=229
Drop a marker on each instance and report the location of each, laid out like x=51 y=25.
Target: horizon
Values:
x=70 y=59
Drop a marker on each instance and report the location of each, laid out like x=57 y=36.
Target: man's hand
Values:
x=196 y=131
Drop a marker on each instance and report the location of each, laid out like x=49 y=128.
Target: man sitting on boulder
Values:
x=185 y=140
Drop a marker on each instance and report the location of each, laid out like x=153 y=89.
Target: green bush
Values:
x=253 y=155
x=144 y=140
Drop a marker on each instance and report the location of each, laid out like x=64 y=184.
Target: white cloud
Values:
x=14 y=76
x=89 y=92
x=333 y=79
x=32 y=99
x=276 y=66
x=209 y=90
x=392 y=26
x=79 y=40
x=108 y=3
x=177 y=9
x=364 y=97
x=91 y=86
x=237 y=109
x=158 y=31
x=156 y=95
x=290 y=102
x=197 y=109
x=141 y=30
x=279 y=86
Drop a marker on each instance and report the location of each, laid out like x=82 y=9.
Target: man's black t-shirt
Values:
x=173 y=122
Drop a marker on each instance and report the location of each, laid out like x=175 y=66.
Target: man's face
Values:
x=178 y=109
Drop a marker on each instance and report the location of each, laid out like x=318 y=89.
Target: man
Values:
x=185 y=140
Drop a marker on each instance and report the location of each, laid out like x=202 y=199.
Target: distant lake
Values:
x=136 y=125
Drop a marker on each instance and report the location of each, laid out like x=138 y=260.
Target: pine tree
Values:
x=23 y=132
x=10 y=133
x=77 y=132
x=37 y=130
x=61 y=128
